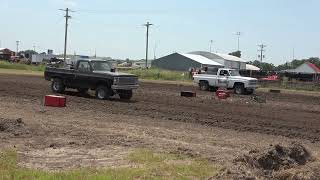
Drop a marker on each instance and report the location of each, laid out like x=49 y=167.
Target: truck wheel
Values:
x=249 y=91
x=103 y=92
x=83 y=91
x=57 y=86
x=125 y=94
x=213 y=89
x=204 y=86
x=239 y=89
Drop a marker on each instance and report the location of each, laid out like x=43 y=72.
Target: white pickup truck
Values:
x=226 y=78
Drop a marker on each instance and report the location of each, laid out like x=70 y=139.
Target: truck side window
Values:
x=84 y=67
x=223 y=72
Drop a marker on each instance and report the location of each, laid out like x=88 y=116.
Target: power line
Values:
x=262 y=50
x=147 y=42
x=67 y=10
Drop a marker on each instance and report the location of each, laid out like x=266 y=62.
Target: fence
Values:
x=293 y=84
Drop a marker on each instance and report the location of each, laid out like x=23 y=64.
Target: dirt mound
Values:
x=278 y=157
x=15 y=127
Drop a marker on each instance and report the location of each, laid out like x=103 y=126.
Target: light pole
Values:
x=17 y=42
x=211 y=42
x=238 y=34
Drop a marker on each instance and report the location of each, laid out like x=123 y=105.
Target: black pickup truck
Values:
x=96 y=75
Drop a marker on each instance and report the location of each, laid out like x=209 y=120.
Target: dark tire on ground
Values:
x=204 y=86
x=125 y=94
x=239 y=89
x=249 y=91
x=83 y=91
x=57 y=85
x=103 y=92
x=213 y=89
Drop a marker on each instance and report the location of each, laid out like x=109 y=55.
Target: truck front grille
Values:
x=127 y=80
x=252 y=82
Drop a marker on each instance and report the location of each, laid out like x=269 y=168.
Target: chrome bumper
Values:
x=124 y=87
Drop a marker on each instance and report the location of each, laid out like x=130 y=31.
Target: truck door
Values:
x=223 y=78
x=83 y=75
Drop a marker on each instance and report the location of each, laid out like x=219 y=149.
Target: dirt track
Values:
x=157 y=117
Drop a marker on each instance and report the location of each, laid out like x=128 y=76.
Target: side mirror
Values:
x=113 y=70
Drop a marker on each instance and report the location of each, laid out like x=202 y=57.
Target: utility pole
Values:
x=211 y=41
x=238 y=34
x=261 y=50
x=147 y=43
x=66 y=32
x=17 y=42
x=34 y=48
x=293 y=54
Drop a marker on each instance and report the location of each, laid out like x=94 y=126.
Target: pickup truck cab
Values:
x=97 y=75
x=226 y=78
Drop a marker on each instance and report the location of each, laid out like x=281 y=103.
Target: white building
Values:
x=228 y=61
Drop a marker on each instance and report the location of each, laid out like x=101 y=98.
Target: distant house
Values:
x=6 y=53
x=306 y=71
x=183 y=62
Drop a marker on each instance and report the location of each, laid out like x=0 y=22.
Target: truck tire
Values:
x=57 y=86
x=239 y=89
x=103 y=92
x=125 y=94
x=204 y=86
x=249 y=91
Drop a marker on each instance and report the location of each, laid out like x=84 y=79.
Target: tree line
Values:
x=264 y=66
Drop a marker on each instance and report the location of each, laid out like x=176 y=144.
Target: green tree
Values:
x=27 y=53
x=296 y=63
x=263 y=65
x=236 y=53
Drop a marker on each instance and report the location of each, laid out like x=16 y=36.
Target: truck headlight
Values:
x=116 y=80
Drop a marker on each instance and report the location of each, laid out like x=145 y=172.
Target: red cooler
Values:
x=55 y=101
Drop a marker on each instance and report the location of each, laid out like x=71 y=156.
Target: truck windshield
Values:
x=100 y=66
x=234 y=73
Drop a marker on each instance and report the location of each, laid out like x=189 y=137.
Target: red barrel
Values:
x=222 y=94
x=55 y=101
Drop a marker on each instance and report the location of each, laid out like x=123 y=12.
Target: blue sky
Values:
x=114 y=28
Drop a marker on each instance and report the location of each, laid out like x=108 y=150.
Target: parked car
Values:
x=97 y=75
x=226 y=78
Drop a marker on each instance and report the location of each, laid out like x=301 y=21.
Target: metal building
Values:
x=183 y=62
x=227 y=61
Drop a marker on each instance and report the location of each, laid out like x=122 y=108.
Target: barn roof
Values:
x=201 y=59
x=305 y=68
x=313 y=66
x=252 y=67
x=216 y=56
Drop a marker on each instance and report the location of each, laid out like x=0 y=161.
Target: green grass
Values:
x=159 y=74
x=147 y=165
x=17 y=66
